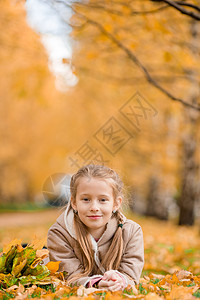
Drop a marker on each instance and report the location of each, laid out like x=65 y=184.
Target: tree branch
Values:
x=178 y=6
x=130 y=80
x=188 y=5
x=111 y=10
x=118 y=12
x=134 y=59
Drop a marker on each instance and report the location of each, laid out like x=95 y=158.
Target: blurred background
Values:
x=98 y=82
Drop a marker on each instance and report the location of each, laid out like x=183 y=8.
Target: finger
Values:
x=109 y=273
x=119 y=287
x=107 y=283
x=106 y=276
x=109 y=279
x=104 y=283
x=116 y=287
x=110 y=276
x=114 y=277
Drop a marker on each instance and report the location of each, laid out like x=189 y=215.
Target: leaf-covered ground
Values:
x=171 y=271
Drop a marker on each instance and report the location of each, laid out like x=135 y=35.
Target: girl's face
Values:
x=95 y=203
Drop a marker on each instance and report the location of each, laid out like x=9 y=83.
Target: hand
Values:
x=111 y=281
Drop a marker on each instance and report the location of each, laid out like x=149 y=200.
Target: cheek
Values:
x=82 y=207
x=109 y=210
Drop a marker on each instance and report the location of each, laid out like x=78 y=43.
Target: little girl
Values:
x=94 y=242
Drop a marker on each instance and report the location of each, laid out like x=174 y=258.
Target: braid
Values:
x=113 y=257
x=119 y=217
x=85 y=247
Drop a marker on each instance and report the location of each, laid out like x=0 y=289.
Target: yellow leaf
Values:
x=161 y=27
x=167 y=56
x=11 y=288
x=43 y=253
x=183 y=274
x=37 y=244
x=35 y=262
x=181 y=293
x=74 y=72
x=8 y=246
x=17 y=269
x=108 y=27
x=126 y=10
x=91 y=55
x=175 y=278
x=153 y=296
x=53 y=266
x=2 y=276
x=19 y=248
x=132 y=45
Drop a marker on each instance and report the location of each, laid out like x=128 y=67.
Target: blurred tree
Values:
x=37 y=125
x=155 y=204
x=130 y=43
x=187 y=8
x=121 y=48
x=116 y=33
x=190 y=164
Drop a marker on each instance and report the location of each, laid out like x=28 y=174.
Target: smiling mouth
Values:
x=94 y=217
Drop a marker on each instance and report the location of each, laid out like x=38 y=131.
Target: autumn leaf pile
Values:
x=171 y=270
x=24 y=267
x=24 y=276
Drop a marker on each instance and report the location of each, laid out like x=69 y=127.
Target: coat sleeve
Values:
x=61 y=250
x=132 y=261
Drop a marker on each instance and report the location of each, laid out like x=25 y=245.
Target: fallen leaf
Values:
x=37 y=244
x=153 y=296
x=53 y=266
x=181 y=293
x=43 y=253
x=8 y=246
x=183 y=274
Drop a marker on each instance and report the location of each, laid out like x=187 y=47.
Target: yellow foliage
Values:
x=53 y=266
x=17 y=269
x=50 y=120
x=8 y=246
x=181 y=293
x=160 y=27
x=37 y=243
x=108 y=27
x=167 y=56
x=91 y=55
x=166 y=250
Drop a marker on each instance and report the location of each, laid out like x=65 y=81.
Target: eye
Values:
x=103 y=199
x=85 y=199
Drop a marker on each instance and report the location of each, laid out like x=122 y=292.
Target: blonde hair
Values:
x=113 y=256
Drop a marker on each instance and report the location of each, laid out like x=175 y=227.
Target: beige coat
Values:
x=62 y=246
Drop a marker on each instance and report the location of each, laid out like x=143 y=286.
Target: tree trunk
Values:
x=155 y=202
x=189 y=185
x=189 y=191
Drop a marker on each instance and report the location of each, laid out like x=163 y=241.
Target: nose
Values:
x=94 y=206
